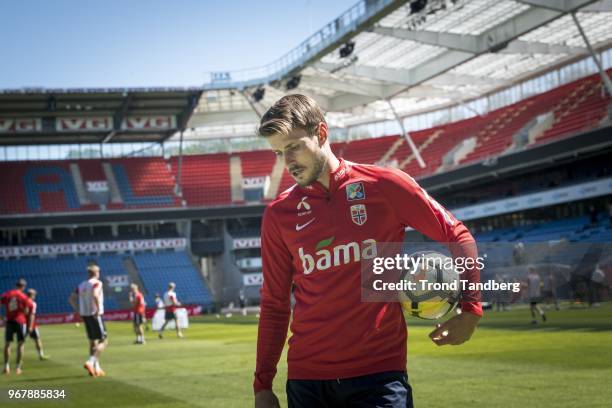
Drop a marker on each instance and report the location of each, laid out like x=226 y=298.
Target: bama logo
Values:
x=328 y=256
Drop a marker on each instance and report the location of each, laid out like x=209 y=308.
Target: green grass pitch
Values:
x=566 y=362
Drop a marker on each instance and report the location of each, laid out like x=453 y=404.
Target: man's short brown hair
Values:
x=289 y=113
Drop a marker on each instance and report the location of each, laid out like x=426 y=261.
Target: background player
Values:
x=88 y=300
x=138 y=304
x=17 y=307
x=534 y=293
x=33 y=327
x=170 y=304
x=550 y=290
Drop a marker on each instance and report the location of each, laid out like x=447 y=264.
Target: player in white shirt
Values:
x=170 y=304
x=534 y=293
x=88 y=300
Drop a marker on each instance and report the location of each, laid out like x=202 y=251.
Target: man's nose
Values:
x=289 y=159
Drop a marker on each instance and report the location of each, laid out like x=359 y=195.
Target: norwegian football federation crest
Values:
x=355 y=191
x=359 y=214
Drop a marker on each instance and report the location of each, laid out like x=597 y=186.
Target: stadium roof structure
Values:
x=53 y=116
x=380 y=60
x=418 y=55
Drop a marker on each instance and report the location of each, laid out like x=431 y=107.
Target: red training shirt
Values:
x=16 y=303
x=139 y=304
x=334 y=334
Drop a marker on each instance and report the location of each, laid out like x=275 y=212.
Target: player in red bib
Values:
x=33 y=328
x=17 y=308
x=138 y=309
x=342 y=352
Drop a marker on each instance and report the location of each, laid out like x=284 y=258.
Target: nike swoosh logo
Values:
x=299 y=227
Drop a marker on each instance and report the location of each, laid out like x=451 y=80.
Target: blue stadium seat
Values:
x=157 y=270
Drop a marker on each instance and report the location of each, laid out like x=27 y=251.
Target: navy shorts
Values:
x=94 y=326
x=138 y=319
x=35 y=334
x=382 y=390
x=13 y=328
x=170 y=315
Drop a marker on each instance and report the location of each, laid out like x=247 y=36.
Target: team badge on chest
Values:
x=359 y=214
x=355 y=191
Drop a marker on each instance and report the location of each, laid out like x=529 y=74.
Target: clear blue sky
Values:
x=114 y=43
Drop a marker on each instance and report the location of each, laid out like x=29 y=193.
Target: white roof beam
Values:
x=398 y=76
x=450 y=79
x=558 y=5
x=473 y=43
x=346 y=101
x=429 y=91
x=467 y=43
x=497 y=37
x=532 y=47
x=602 y=5
x=343 y=85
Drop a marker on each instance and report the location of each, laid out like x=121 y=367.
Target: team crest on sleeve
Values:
x=355 y=191
x=359 y=214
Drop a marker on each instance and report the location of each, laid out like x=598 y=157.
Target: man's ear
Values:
x=322 y=133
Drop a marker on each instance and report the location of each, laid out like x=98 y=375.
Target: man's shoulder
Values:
x=286 y=198
x=373 y=173
x=289 y=194
x=16 y=294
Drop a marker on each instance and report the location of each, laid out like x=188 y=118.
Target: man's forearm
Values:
x=273 y=328
x=73 y=304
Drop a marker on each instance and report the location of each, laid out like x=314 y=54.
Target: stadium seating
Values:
x=56 y=278
x=157 y=270
x=573 y=229
x=91 y=170
x=366 y=150
x=37 y=186
x=205 y=179
x=583 y=106
x=256 y=163
x=496 y=136
x=49 y=186
x=144 y=182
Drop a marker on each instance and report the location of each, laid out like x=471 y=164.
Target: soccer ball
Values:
x=436 y=286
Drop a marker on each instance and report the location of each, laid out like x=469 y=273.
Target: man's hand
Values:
x=266 y=399
x=456 y=330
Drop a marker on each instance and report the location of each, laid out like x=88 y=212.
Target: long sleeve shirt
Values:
x=313 y=238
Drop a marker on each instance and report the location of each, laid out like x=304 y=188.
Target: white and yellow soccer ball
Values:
x=436 y=286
